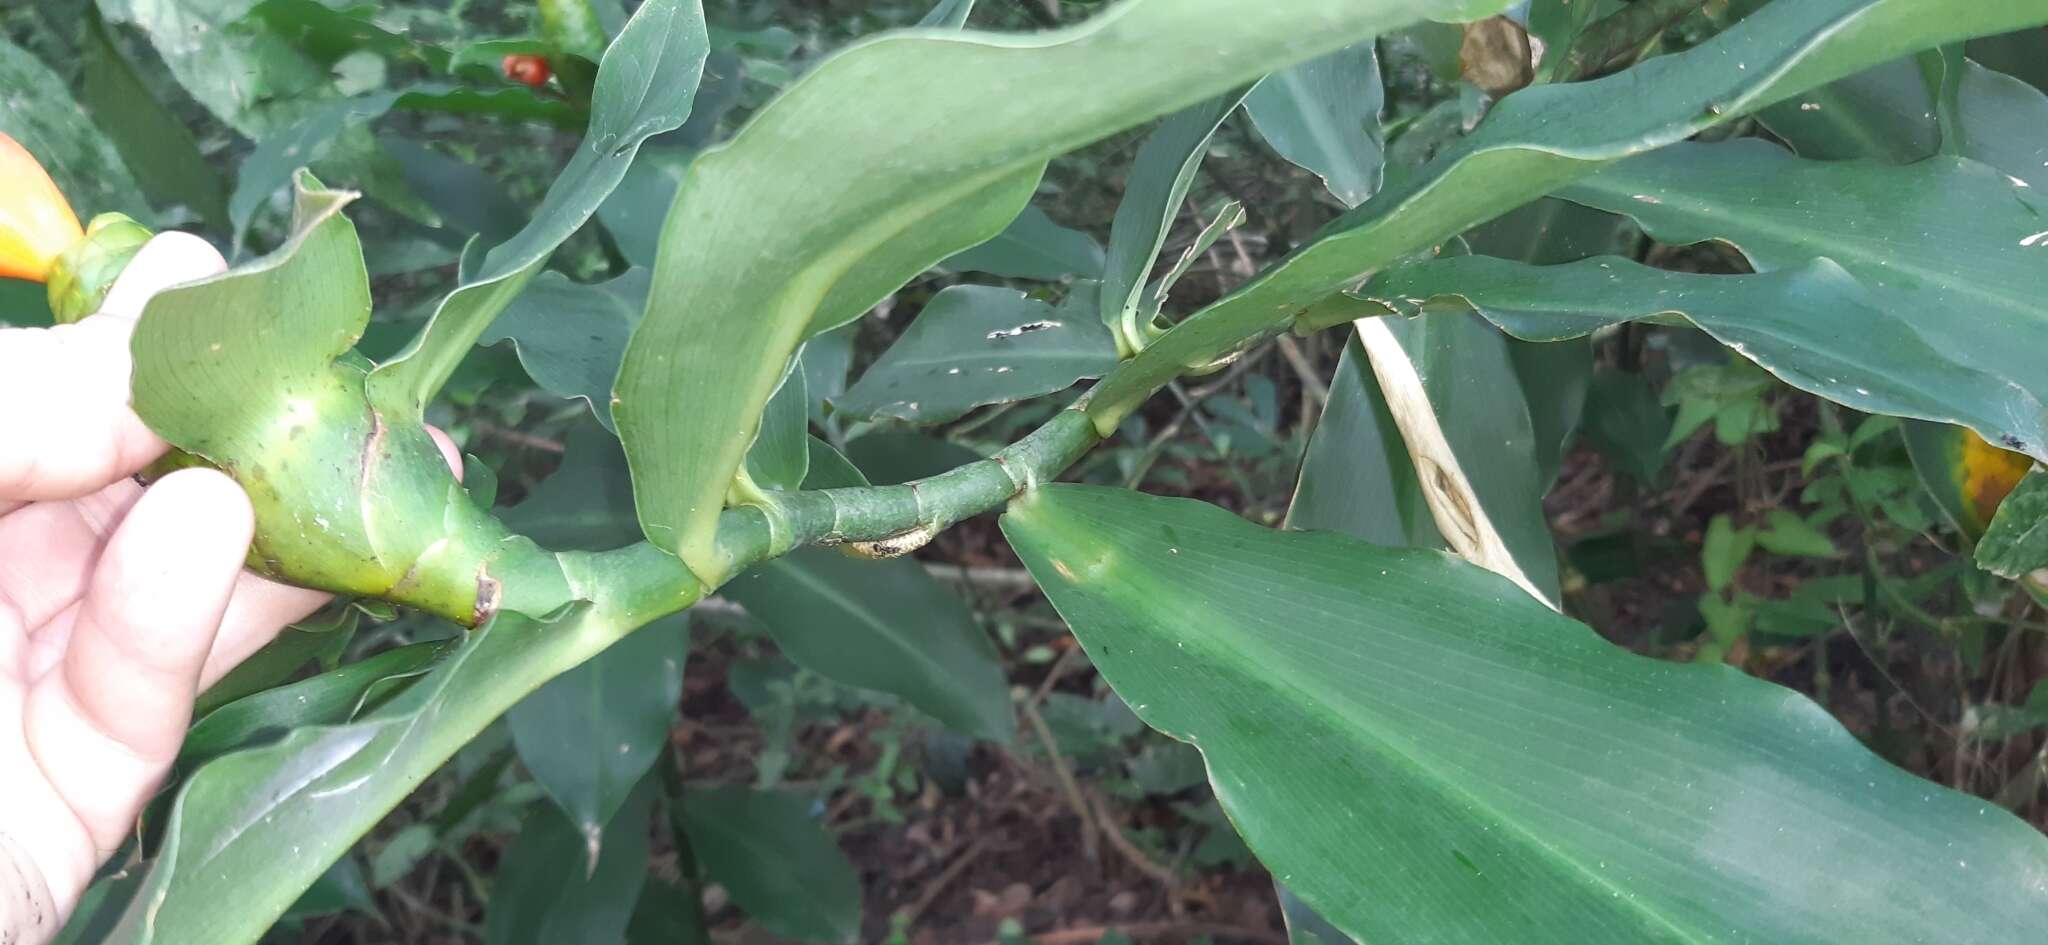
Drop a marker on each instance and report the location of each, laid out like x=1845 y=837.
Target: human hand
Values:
x=118 y=604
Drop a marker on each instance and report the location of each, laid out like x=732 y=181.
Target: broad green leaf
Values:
x=589 y=734
x=327 y=699
x=40 y=114
x=655 y=65
x=154 y=144
x=1356 y=477
x=632 y=213
x=975 y=345
x=1889 y=113
x=776 y=860
x=1158 y=181
x=1514 y=777
x=1033 y=247
x=2016 y=544
x=1557 y=23
x=546 y=892
x=780 y=455
x=570 y=335
x=1544 y=136
x=250 y=78
x=1788 y=534
x=1813 y=325
x=323 y=635
x=892 y=457
x=882 y=625
x=587 y=504
x=468 y=200
x=816 y=210
x=666 y=915
x=826 y=361
x=340 y=889
x=318 y=790
x=333 y=31
x=1476 y=398
x=1924 y=241
x=1627 y=424
x=830 y=469
x=1324 y=115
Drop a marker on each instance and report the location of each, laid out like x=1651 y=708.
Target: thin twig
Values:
x=1311 y=380
x=1068 y=786
x=908 y=916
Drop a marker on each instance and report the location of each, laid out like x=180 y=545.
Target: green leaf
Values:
x=1924 y=241
x=780 y=865
x=633 y=212
x=1324 y=116
x=780 y=455
x=589 y=734
x=1813 y=325
x=153 y=143
x=666 y=915
x=1357 y=478
x=2016 y=544
x=587 y=504
x=1033 y=247
x=41 y=115
x=340 y=889
x=655 y=65
x=1544 y=136
x=1788 y=534
x=974 y=345
x=892 y=457
x=250 y=78
x=571 y=335
x=1725 y=549
x=547 y=892
x=1625 y=422
x=329 y=698
x=1476 y=399
x=816 y=210
x=318 y=790
x=1158 y=181
x=1515 y=777
x=1889 y=113
x=882 y=625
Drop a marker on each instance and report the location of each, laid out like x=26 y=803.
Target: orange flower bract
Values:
x=36 y=222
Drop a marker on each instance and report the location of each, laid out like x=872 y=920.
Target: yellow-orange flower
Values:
x=36 y=222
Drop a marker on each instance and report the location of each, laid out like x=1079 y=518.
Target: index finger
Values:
x=66 y=429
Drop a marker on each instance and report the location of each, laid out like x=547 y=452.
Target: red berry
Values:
x=527 y=70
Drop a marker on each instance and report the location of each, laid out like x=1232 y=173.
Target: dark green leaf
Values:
x=340 y=889
x=1357 y=478
x=974 y=345
x=1153 y=190
x=1033 y=247
x=1924 y=241
x=570 y=335
x=633 y=212
x=666 y=915
x=1813 y=325
x=40 y=114
x=154 y=144
x=250 y=78
x=1324 y=115
x=587 y=504
x=780 y=456
x=882 y=625
x=769 y=851
x=1626 y=423
x=546 y=892
x=589 y=734
x=327 y=699
x=1512 y=776
x=891 y=457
